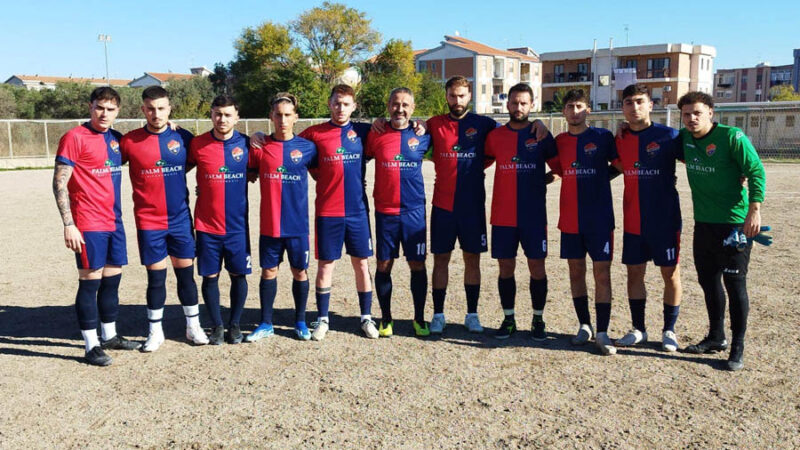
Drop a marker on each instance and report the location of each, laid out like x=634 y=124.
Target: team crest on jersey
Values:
x=352 y=135
x=223 y=169
x=399 y=157
x=237 y=154
x=590 y=148
x=340 y=150
x=281 y=169
x=161 y=163
x=174 y=146
x=296 y=156
x=114 y=146
x=413 y=143
x=652 y=148
x=531 y=143
x=711 y=149
x=471 y=132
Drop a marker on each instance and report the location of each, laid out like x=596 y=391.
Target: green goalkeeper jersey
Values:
x=715 y=165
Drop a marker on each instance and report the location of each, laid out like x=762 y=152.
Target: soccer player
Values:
x=518 y=208
x=716 y=157
x=652 y=216
x=220 y=156
x=586 y=217
x=157 y=158
x=399 y=194
x=86 y=185
x=281 y=163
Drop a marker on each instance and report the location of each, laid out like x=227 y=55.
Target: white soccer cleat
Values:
x=669 y=342
x=153 y=342
x=369 y=329
x=196 y=335
x=584 y=334
x=472 y=323
x=437 y=324
x=320 y=330
x=603 y=342
x=632 y=338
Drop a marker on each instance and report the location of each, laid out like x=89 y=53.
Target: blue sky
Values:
x=59 y=38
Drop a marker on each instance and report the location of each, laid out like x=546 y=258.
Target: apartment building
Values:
x=491 y=71
x=749 y=84
x=670 y=70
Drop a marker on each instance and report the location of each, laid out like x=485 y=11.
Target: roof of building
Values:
x=48 y=79
x=169 y=76
x=483 y=49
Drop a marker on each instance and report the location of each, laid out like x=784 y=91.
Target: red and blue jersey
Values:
x=582 y=164
x=518 y=198
x=94 y=188
x=221 y=206
x=340 y=168
x=458 y=157
x=398 y=154
x=158 y=176
x=650 y=202
x=282 y=168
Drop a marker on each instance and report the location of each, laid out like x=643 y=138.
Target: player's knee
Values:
x=384 y=266
x=416 y=265
x=269 y=273
x=443 y=259
x=536 y=267
x=299 y=274
x=506 y=267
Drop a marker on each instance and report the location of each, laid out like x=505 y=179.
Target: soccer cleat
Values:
x=735 y=360
x=153 y=342
x=196 y=335
x=262 y=331
x=507 y=328
x=320 y=330
x=603 y=342
x=301 y=331
x=537 y=329
x=632 y=338
x=217 y=336
x=708 y=345
x=472 y=323
x=421 y=330
x=369 y=329
x=385 y=329
x=437 y=324
x=584 y=334
x=234 y=334
x=119 y=343
x=97 y=357
x=669 y=342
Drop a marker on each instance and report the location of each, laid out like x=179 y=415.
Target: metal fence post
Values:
x=10 y=142
x=247 y=127
x=46 y=141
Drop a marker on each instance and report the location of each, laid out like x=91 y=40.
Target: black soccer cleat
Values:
x=735 y=360
x=119 y=343
x=234 y=334
x=707 y=345
x=97 y=357
x=217 y=335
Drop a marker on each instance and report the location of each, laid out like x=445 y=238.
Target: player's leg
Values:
x=108 y=293
x=153 y=254
x=635 y=254
x=666 y=257
x=270 y=254
x=505 y=241
x=413 y=232
x=236 y=253
x=709 y=274
x=534 y=244
x=181 y=249
x=329 y=239
x=574 y=251
x=443 y=240
x=86 y=305
x=358 y=244
x=387 y=242
x=472 y=238
x=601 y=249
x=297 y=249
x=209 y=264
x=735 y=278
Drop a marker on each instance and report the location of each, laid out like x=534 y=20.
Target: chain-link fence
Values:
x=775 y=131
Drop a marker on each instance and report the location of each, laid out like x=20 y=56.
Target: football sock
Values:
x=156 y=293
x=365 y=304
x=238 y=298
x=86 y=304
x=267 y=289
x=419 y=292
x=187 y=288
x=603 y=311
x=670 y=317
x=383 y=289
x=300 y=295
x=90 y=338
x=472 y=291
x=637 y=312
x=538 y=290
x=108 y=298
x=108 y=330
x=323 y=295
x=192 y=314
x=581 y=305
x=210 y=288
x=438 y=300
x=507 y=287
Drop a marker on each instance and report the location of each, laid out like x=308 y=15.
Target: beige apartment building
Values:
x=491 y=71
x=750 y=84
x=670 y=70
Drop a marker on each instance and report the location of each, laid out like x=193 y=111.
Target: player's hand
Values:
x=173 y=125
x=762 y=237
x=252 y=176
x=73 y=238
x=549 y=177
x=540 y=130
x=419 y=127
x=378 y=126
x=622 y=127
x=752 y=223
x=258 y=139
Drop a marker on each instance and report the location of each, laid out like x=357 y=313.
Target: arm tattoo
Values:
x=61 y=176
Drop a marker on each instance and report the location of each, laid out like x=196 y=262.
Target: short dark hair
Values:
x=521 y=87
x=691 y=98
x=400 y=90
x=635 y=89
x=221 y=101
x=154 y=93
x=104 y=93
x=457 y=81
x=283 y=97
x=342 y=89
x=576 y=95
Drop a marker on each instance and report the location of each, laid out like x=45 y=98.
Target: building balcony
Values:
x=724 y=84
x=571 y=77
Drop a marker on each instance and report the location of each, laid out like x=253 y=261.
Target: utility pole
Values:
x=105 y=39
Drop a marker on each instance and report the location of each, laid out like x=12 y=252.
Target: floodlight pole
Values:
x=105 y=39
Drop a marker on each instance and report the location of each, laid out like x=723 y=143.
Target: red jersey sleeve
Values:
x=69 y=149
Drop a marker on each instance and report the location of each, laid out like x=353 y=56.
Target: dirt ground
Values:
x=460 y=390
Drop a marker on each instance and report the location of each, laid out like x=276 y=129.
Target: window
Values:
x=631 y=64
x=658 y=68
x=583 y=68
x=770 y=119
x=558 y=73
x=739 y=122
x=758 y=97
x=754 y=122
x=433 y=66
x=743 y=97
x=483 y=89
x=789 y=121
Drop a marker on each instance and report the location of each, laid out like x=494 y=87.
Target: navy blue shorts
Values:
x=103 y=248
x=155 y=245
x=447 y=226
x=408 y=228
x=664 y=250
x=351 y=231
x=600 y=246
x=233 y=248
x=506 y=240
x=271 y=249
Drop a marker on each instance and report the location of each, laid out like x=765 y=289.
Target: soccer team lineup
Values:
x=725 y=175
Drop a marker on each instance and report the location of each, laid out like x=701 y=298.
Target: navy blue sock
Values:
x=383 y=289
x=637 y=312
x=365 y=303
x=581 y=305
x=238 y=298
x=108 y=298
x=538 y=290
x=473 y=291
x=300 y=294
x=670 y=317
x=86 y=304
x=507 y=288
x=156 y=288
x=267 y=289
x=438 y=300
x=210 y=288
x=323 y=301
x=419 y=292
x=603 y=311
x=187 y=288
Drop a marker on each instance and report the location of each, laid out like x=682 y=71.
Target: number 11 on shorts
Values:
x=671 y=254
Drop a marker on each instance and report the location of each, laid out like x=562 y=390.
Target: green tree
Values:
x=66 y=101
x=783 y=93
x=557 y=103
x=190 y=98
x=335 y=37
x=8 y=103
